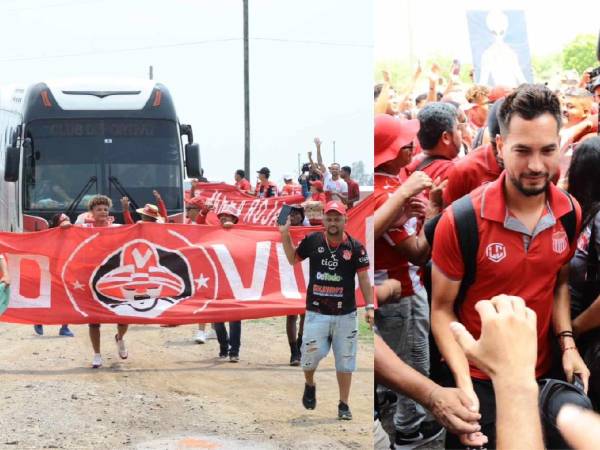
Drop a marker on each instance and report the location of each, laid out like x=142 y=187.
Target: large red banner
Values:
x=251 y=210
x=155 y=273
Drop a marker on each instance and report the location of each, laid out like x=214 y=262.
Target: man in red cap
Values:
x=400 y=247
x=331 y=318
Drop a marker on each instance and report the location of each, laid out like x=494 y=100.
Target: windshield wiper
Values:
x=122 y=191
x=83 y=191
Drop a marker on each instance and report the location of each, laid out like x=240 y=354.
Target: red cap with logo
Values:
x=391 y=135
x=336 y=206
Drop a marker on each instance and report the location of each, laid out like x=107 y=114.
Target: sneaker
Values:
x=212 y=334
x=234 y=358
x=121 y=347
x=200 y=337
x=97 y=361
x=39 y=330
x=295 y=357
x=428 y=431
x=344 y=412
x=309 y=399
x=64 y=331
x=223 y=356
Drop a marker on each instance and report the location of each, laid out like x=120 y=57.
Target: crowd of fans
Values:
x=322 y=194
x=483 y=191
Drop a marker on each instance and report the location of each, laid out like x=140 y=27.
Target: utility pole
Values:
x=299 y=166
x=151 y=73
x=334 y=160
x=246 y=93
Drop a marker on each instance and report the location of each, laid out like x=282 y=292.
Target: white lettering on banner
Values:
x=14 y=268
x=287 y=278
x=254 y=292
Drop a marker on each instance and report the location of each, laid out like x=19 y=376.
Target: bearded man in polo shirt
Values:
x=523 y=250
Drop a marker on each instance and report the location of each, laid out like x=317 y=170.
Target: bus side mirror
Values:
x=11 y=166
x=192 y=160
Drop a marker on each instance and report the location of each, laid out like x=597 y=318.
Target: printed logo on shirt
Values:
x=321 y=249
x=331 y=264
x=347 y=255
x=559 y=242
x=495 y=252
x=324 y=276
x=328 y=291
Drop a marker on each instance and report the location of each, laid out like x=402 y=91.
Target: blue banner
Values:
x=499 y=47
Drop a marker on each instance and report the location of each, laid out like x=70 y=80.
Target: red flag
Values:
x=251 y=210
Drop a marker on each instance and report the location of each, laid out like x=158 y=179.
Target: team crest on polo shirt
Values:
x=495 y=252
x=347 y=255
x=559 y=241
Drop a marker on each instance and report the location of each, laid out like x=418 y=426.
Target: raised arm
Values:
x=381 y=103
x=127 y=219
x=162 y=208
x=320 y=164
x=286 y=240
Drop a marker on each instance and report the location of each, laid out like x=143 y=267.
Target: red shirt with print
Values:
x=509 y=260
x=436 y=168
x=477 y=168
x=389 y=263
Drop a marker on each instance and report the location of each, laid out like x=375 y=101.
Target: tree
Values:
x=546 y=67
x=580 y=53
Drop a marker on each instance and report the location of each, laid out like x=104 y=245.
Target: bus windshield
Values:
x=126 y=156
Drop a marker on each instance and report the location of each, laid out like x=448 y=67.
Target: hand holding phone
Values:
x=284 y=214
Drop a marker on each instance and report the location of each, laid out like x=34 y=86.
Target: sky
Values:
x=310 y=68
x=425 y=28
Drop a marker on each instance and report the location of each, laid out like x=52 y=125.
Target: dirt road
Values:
x=171 y=393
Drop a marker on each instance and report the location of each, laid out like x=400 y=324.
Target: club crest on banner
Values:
x=139 y=278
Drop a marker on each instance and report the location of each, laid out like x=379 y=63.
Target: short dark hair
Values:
x=241 y=173
x=347 y=169
x=583 y=175
x=377 y=90
x=420 y=98
x=98 y=200
x=529 y=101
x=434 y=119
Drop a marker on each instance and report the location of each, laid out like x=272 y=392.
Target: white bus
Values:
x=65 y=141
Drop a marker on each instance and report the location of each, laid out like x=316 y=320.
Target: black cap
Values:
x=595 y=83
x=264 y=171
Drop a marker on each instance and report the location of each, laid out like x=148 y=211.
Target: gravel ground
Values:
x=172 y=393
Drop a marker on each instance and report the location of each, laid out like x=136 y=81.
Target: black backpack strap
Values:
x=429 y=228
x=569 y=221
x=427 y=161
x=467 y=232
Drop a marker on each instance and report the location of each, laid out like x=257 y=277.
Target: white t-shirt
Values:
x=338 y=186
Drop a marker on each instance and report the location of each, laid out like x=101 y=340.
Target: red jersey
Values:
x=319 y=197
x=510 y=259
x=436 y=168
x=291 y=189
x=353 y=191
x=389 y=263
x=243 y=185
x=477 y=168
x=268 y=189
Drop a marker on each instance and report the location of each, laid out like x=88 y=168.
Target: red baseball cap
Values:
x=391 y=135
x=336 y=206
